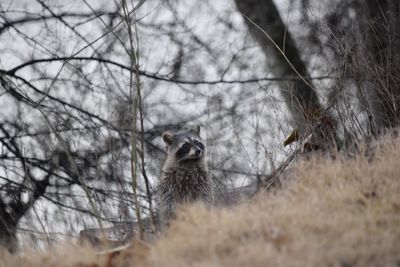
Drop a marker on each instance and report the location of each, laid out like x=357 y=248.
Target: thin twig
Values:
x=133 y=53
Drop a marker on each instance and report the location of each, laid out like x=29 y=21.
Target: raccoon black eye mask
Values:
x=185 y=149
x=197 y=146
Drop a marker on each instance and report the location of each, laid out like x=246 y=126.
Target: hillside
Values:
x=342 y=212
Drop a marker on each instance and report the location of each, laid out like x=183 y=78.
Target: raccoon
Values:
x=184 y=175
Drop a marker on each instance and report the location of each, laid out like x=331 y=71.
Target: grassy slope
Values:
x=334 y=213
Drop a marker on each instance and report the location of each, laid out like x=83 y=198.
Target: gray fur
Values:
x=185 y=179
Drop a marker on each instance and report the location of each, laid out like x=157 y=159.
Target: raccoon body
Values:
x=184 y=176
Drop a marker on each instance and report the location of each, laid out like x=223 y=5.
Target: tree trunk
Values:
x=8 y=230
x=299 y=95
x=383 y=62
x=13 y=211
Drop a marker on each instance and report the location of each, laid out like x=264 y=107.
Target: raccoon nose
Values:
x=198 y=152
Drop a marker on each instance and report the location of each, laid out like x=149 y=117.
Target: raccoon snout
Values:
x=197 y=152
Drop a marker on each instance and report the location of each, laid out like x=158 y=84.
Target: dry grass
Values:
x=343 y=212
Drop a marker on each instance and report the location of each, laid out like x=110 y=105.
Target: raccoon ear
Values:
x=196 y=129
x=168 y=137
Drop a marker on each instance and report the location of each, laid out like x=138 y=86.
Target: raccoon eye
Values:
x=185 y=148
x=199 y=144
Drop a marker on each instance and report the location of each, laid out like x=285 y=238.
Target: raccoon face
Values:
x=185 y=145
